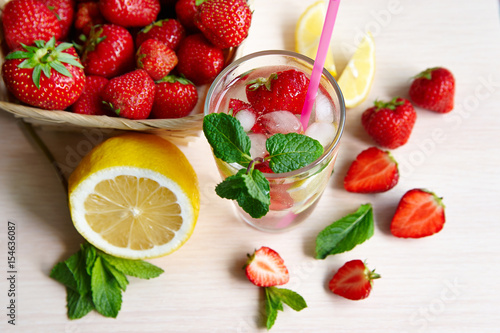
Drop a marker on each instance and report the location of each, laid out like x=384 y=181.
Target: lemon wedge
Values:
x=308 y=32
x=356 y=79
x=134 y=196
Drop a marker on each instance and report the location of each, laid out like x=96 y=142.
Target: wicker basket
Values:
x=180 y=127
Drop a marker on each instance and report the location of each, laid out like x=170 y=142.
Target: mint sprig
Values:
x=249 y=187
x=344 y=234
x=95 y=280
x=275 y=297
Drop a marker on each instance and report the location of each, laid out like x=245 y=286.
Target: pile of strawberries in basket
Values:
x=135 y=59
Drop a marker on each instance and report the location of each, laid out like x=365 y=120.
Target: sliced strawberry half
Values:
x=353 y=280
x=420 y=213
x=265 y=268
x=237 y=105
x=373 y=170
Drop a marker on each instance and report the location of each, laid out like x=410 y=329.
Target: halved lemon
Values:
x=308 y=32
x=357 y=77
x=135 y=196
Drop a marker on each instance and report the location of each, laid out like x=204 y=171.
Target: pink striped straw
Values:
x=319 y=63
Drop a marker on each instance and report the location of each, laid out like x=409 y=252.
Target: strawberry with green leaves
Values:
x=420 y=213
x=175 y=97
x=373 y=171
x=64 y=11
x=155 y=58
x=90 y=101
x=353 y=280
x=47 y=75
x=87 y=15
x=168 y=31
x=130 y=13
x=434 y=89
x=225 y=23
x=130 y=95
x=390 y=123
x=27 y=21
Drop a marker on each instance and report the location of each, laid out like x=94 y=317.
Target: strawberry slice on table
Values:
x=373 y=171
x=168 y=31
x=265 y=268
x=130 y=13
x=90 y=101
x=281 y=91
x=175 y=97
x=353 y=280
x=156 y=58
x=225 y=23
x=47 y=75
x=130 y=95
x=26 y=21
x=390 y=123
x=420 y=213
x=434 y=89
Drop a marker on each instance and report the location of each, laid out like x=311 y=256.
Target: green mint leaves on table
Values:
x=95 y=280
x=230 y=143
x=275 y=297
x=343 y=235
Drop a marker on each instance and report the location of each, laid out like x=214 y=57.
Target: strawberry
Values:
x=390 y=124
x=434 y=89
x=265 y=268
x=353 y=280
x=47 y=75
x=168 y=31
x=186 y=11
x=130 y=95
x=155 y=58
x=225 y=23
x=26 y=21
x=175 y=97
x=281 y=91
x=130 y=13
x=64 y=11
x=420 y=213
x=90 y=101
x=373 y=171
x=199 y=61
x=236 y=105
x=87 y=15
x=108 y=51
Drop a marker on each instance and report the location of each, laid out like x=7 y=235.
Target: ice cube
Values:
x=323 y=132
x=323 y=109
x=258 y=148
x=281 y=122
x=246 y=118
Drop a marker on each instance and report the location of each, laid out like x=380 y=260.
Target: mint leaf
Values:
x=78 y=268
x=137 y=268
x=78 y=305
x=344 y=234
x=227 y=137
x=90 y=254
x=106 y=293
x=275 y=297
x=292 y=151
x=273 y=304
x=61 y=273
x=251 y=191
x=119 y=276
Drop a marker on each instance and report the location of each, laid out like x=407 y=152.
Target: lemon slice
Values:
x=134 y=196
x=308 y=32
x=356 y=79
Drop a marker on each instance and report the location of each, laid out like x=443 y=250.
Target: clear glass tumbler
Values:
x=293 y=194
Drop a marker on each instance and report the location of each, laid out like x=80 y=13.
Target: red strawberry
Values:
x=26 y=21
x=420 y=213
x=155 y=58
x=175 y=97
x=225 y=23
x=130 y=95
x=87 y=15
x=186 y=11
x=390 y=124
x=199 y=61
x=236 y=105
x=64 y=11
x=265 y=268
x=434 y=89
x=168 y=31
x=281 y=91
x=90 y=101
x=30 y=76
x=373 y=171
x=108 y=51
x=130 y=13
x=353 y=280
x=264 y=167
